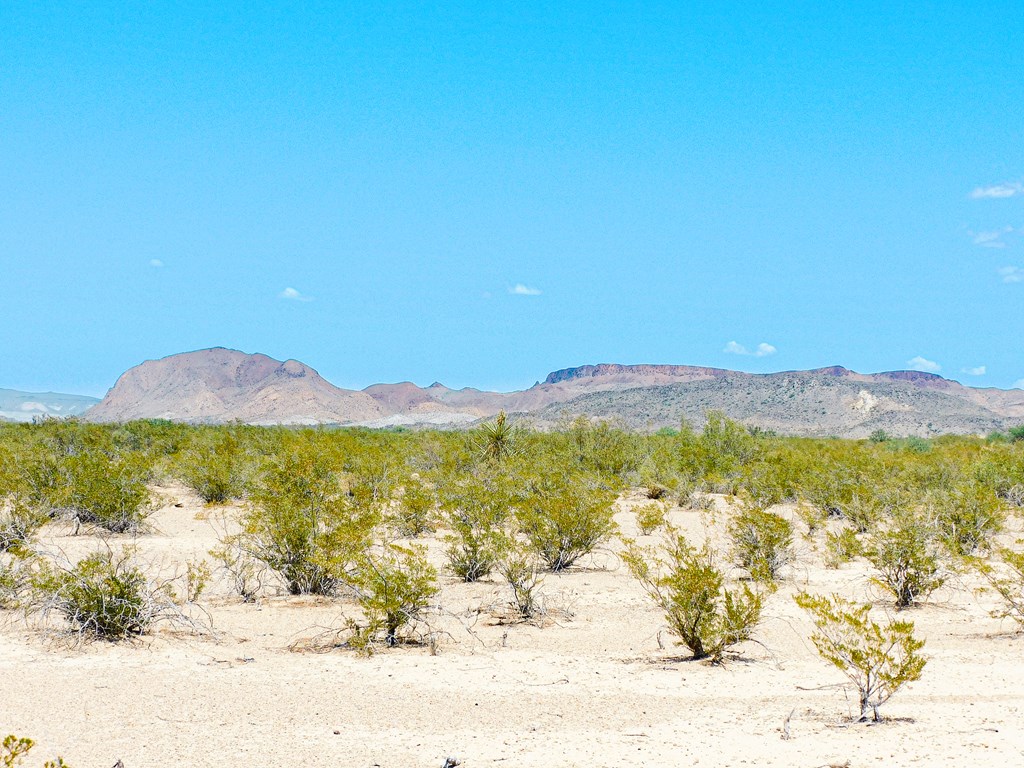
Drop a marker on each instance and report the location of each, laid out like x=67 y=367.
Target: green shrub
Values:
x=651 y=517
x=476 y=510
x=301 y=525
x=520 y=570
x=14 y=749
x=393 y=587
x=761 y=543
x=105 y=595
x=906 y=556
x=841 y=547
x=878 y=659
x=416 y=509
x=565 y=518
x=685 y=583
x=108 y=491
x=968 y=517
x=216 y=468
x=1007 y=579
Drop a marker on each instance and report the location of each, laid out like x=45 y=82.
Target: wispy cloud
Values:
x=762 y=349
x=1009 y=189
x=1012 y=274
x=923 y=364
x=993 y=238
x=979 y=371
x=156 y=263
x=293 y=295
x=523 y=290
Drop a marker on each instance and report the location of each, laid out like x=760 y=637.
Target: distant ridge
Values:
x=26 y=406
x=220 y=385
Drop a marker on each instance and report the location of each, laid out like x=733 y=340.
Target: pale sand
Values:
x=590 y=689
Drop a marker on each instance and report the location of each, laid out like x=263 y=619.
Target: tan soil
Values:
x=591 y=688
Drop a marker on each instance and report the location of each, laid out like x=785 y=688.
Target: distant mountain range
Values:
x=25 y=406
x=221 y=385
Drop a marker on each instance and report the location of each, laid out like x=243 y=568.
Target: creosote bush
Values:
x=906 y=557
x=416 y=509
x=301 y=525
x=393 y=586
x=707 y=617
x=106 y=490
x=13 y=750
x=476 y=512
x=1006 y=577
x=761 y=542
x=878 y=658
x=651 y=517
x=216 y=467
x=968 y=516
x=841 y=546
x=523 y=575
x=106 y=595
x=565 y=518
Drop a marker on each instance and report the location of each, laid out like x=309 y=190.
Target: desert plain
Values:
x=597 y=681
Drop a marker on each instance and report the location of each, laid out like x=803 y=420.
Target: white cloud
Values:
x=1012 y=274
x=993 y=238
x=156 y=263
x=1018 y=384
x=523 y=290
x=922 y=364
x=762 y=350
x=1008 y=189
x=979 y=371
x=293 y=295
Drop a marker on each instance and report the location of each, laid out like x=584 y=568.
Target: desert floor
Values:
x=591 y=687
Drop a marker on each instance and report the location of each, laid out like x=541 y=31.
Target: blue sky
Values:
x=486 y=192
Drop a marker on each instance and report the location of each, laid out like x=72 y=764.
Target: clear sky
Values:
x=485 y=192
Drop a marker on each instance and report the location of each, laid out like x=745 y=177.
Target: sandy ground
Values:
x=591 y=688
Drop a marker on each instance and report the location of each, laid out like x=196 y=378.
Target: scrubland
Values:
x=590 y=596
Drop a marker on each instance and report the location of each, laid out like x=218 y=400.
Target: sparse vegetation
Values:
x=761 y=543
x=393 y=586
x=685 y=583
x=878 y=658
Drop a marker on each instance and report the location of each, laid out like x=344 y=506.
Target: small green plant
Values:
x=393 y=586
x=906 y=556
x=841 y=547
x=216 y=468
x=14 y=749
x=651 y=517
x=415 y=514
x=761 y=543
x=105 y=595
x=498 y=439
x=813 y=516
x=520 y=570
x=1007 y=579
x=968 y=518
x=707 y=617
x=302 y=526
x=565 y=518
x=476 y=510
x=108 y=491
x=878 y=658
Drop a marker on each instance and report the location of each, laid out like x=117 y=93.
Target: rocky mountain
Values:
x=25 y=406
x=220 y=385
x=830 y=401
